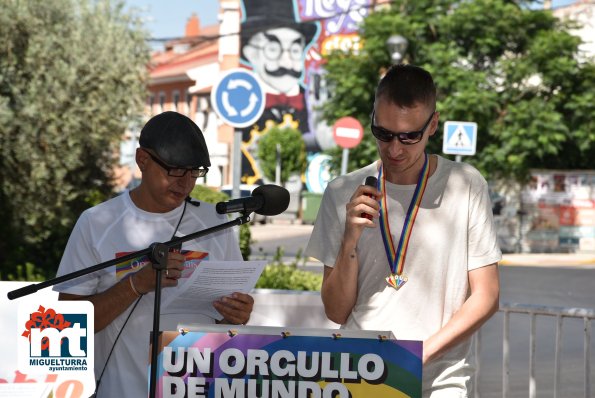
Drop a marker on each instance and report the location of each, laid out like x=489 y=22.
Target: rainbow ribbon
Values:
x=396 y=258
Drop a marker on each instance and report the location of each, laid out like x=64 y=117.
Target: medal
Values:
x=396 y=281
x=396 y=257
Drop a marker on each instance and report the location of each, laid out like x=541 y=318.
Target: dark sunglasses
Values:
x=178 y=171
x=408 y=138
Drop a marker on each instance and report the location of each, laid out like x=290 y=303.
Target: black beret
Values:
x=176 y=140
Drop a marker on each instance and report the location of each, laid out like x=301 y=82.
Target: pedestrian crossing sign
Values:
x=460 y=138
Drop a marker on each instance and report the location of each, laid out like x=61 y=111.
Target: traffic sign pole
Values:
x=238 y=99
x=344 y=161
x=237 y=163
x=278 y=164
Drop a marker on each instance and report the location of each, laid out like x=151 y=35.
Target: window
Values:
x=188 y=102
x=176 y=101
x=151 y=103
x=161 y=102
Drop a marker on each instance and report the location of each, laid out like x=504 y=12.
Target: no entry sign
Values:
x=348 y=132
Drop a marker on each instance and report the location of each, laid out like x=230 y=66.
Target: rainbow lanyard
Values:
x=396 y=258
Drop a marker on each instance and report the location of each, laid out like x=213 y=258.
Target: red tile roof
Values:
x=172 y=62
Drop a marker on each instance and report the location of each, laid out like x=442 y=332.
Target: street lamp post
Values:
x=397 y=45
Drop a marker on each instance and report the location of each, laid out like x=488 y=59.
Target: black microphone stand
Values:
x=157 y=253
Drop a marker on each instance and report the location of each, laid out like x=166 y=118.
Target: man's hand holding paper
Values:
x=236 y=309
x=217 y=289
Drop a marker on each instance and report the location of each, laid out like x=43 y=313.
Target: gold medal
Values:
x=396 y=281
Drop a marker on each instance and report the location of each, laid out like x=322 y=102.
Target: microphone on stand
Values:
x=267 y=200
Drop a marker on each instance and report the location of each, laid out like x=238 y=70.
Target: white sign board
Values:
x=460 y=138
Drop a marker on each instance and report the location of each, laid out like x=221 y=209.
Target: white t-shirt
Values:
x=453 y=234
x=118 y=226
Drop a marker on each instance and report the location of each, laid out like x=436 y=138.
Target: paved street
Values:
x=293 y=238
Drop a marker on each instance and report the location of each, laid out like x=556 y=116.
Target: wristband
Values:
x=138 y=294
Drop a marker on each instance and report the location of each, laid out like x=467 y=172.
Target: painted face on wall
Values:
x=277 y=56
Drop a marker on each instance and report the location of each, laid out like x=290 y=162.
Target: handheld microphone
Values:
x=371 y=181
x=267 y=200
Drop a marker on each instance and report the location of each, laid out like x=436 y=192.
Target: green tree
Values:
x=515 y=71
x=293 y=152
x=72 y=79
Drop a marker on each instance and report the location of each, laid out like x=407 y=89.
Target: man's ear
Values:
x=141 y=158
x=434 y=123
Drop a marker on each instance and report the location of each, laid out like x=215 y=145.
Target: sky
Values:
x=167 y=18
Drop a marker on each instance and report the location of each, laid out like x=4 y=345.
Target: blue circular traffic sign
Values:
x=238 y=98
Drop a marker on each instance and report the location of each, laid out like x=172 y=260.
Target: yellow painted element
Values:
x=250 y=145
x=365 y=390
x=346 y=43
x=255 y=133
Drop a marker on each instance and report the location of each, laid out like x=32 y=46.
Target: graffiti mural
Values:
x=283 y=42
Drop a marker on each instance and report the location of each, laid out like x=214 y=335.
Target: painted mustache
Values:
x=281 y=71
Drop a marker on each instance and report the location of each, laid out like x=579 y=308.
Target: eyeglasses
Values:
x=408 y=138
x=273 y=50
x=178 y=171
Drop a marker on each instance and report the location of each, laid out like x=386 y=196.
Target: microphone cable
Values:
x=98 y=382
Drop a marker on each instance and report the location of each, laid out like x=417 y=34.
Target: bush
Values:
x=245 y=241
x=28 y=272
x=278 y=275
x=210 y=195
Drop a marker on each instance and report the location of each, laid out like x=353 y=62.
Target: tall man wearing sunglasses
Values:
x=172 y=155
x=417 y=253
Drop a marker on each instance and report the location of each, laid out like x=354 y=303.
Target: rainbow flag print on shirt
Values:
x=127 y=268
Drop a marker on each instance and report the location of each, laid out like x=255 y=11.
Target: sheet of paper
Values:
x=210 y=281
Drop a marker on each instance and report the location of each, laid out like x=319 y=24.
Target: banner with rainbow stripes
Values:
x=232 y=364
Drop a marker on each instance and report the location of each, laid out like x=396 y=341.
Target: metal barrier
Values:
x=587 y=315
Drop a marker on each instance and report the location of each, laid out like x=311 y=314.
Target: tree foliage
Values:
x=515 y=71
x=293 y=152
x=72 y=79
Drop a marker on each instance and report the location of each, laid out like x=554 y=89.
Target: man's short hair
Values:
x=176 y=140
x=407 y=86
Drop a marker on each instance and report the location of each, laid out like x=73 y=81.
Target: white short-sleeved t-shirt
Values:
x=118 y=226
x=453 y=234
